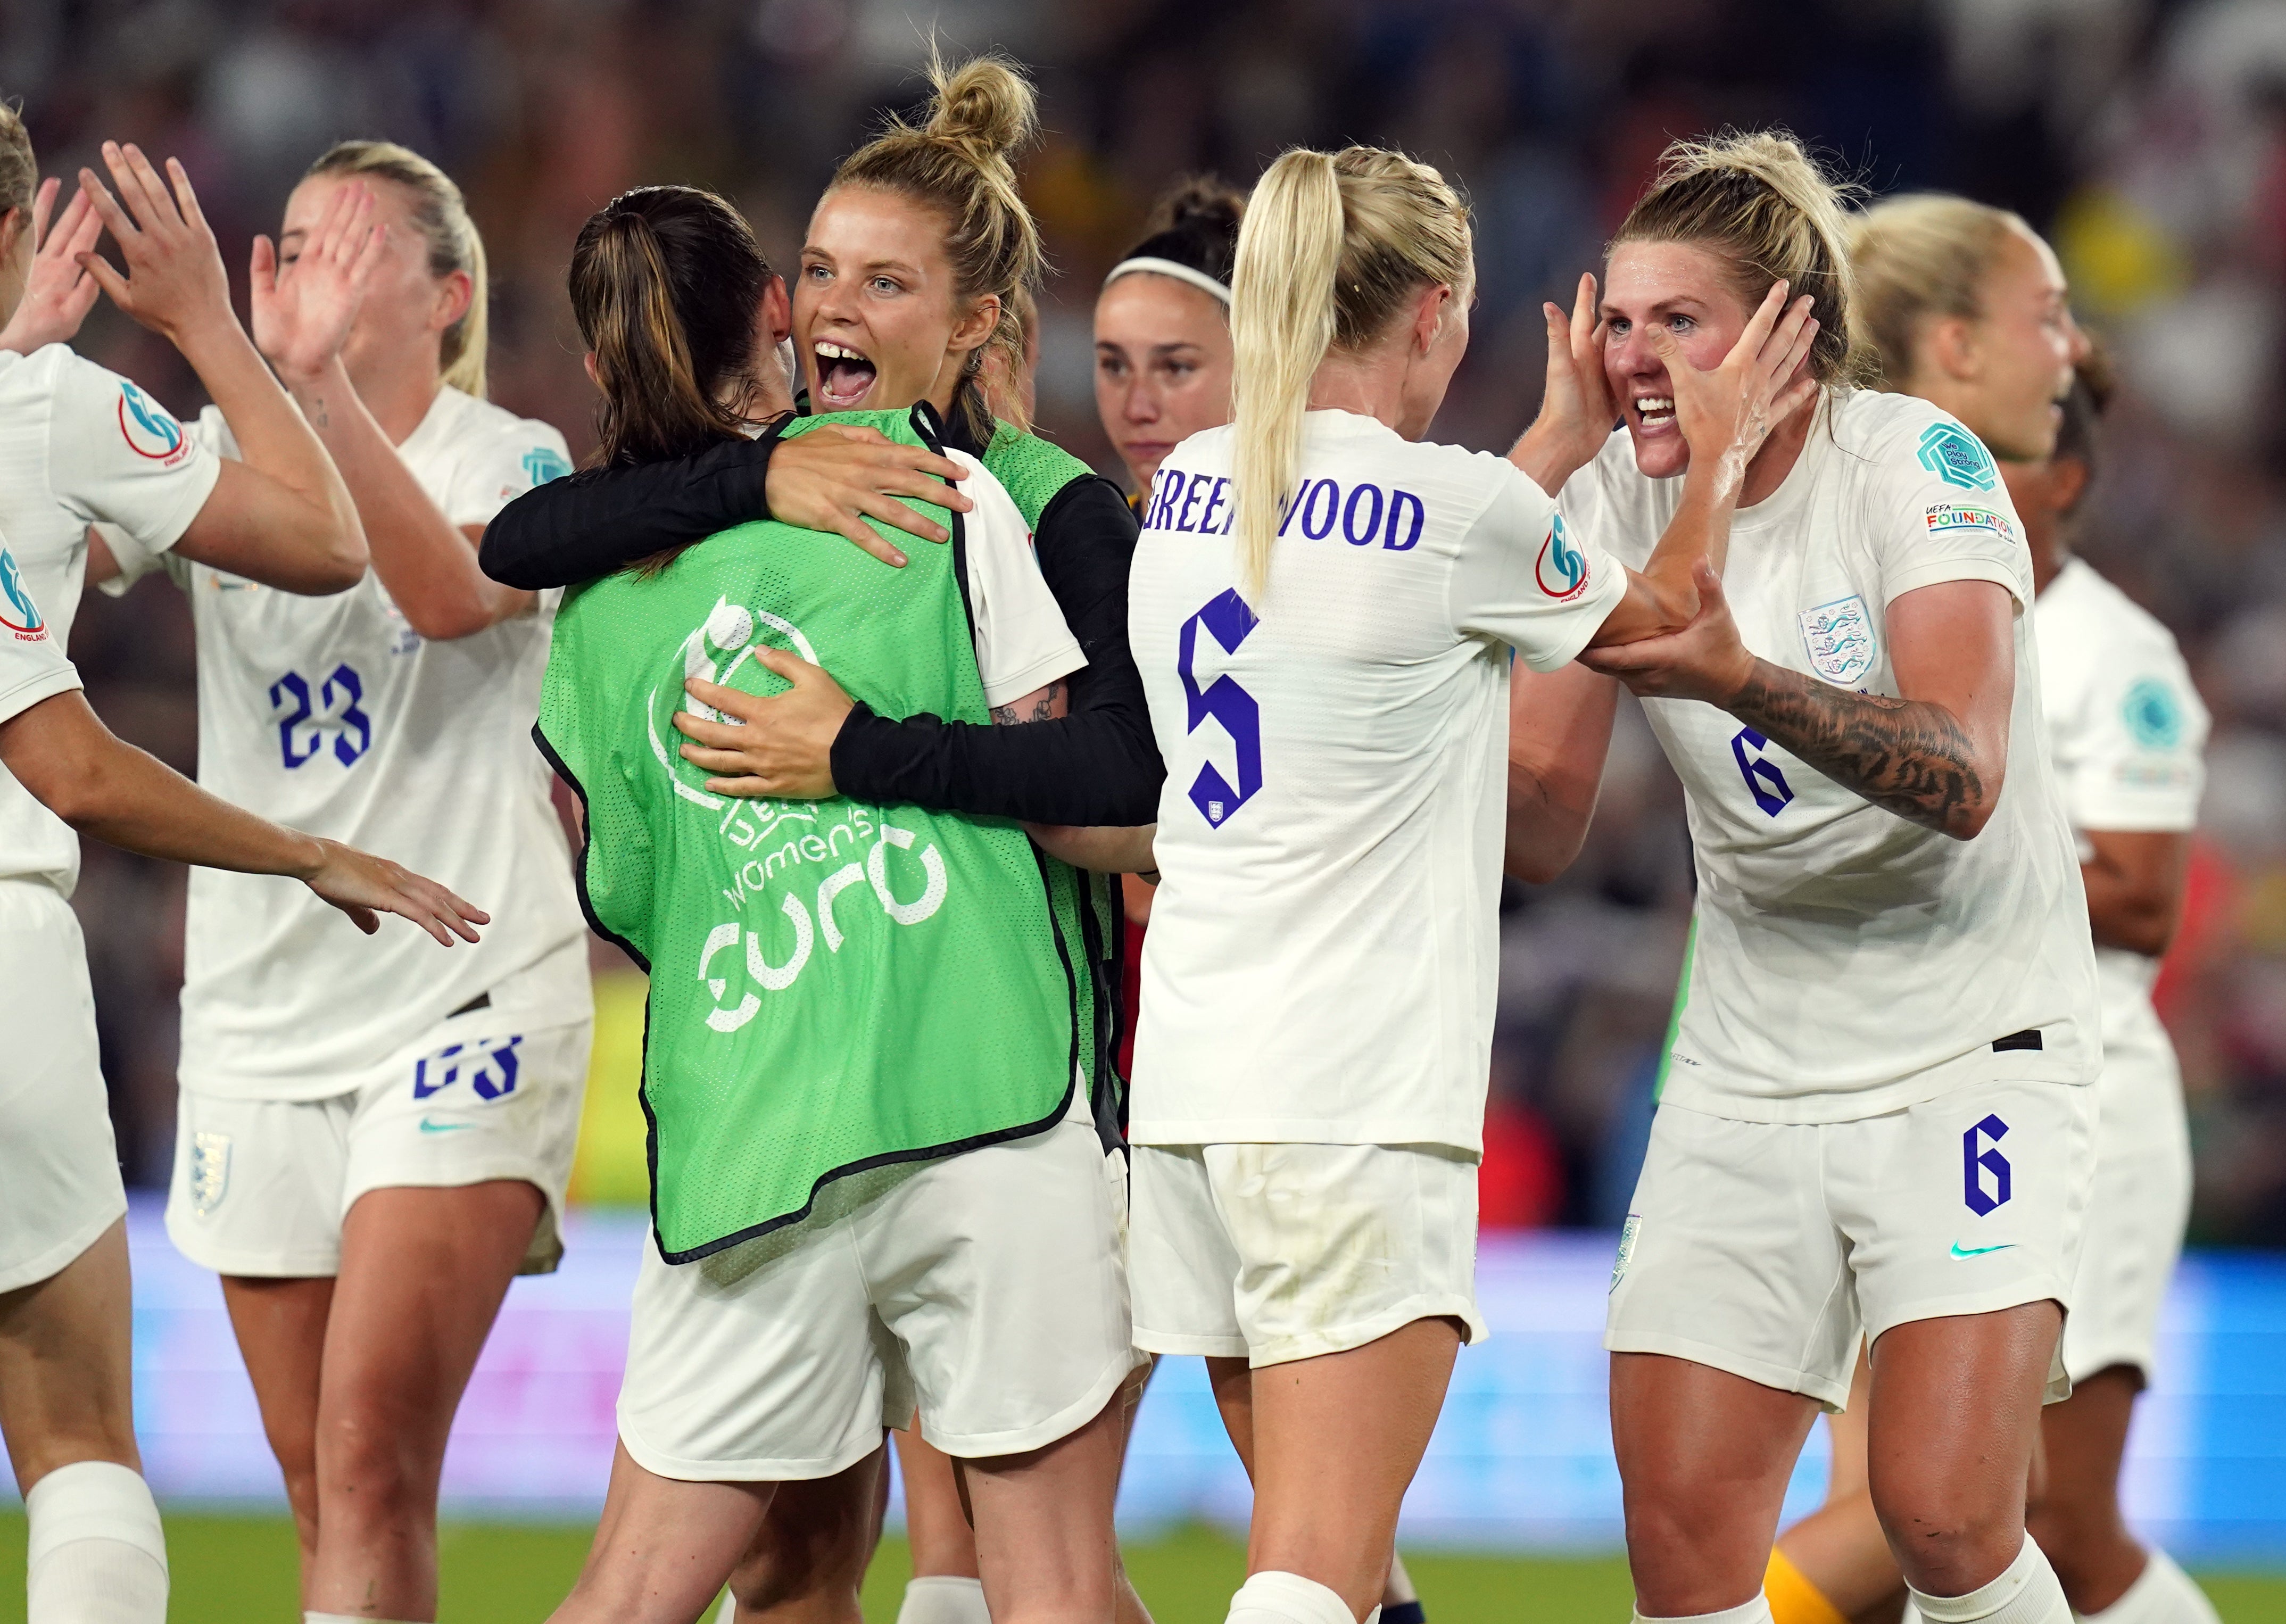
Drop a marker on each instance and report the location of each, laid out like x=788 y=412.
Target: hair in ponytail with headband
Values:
x=664 y=284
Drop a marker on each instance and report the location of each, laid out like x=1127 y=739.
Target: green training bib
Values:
x=834 y=986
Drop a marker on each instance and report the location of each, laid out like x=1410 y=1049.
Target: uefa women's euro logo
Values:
x=1561 y=570
x=150 y=431
x=18 y=612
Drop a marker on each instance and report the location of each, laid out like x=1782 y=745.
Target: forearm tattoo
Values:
x=1042 y=707
x=1908 y=756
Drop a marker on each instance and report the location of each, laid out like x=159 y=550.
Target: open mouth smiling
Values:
x=844 y=376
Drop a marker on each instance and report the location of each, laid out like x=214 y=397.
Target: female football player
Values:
x=982 y=1278
x=1323 y=607
x=1875 y=1122
x=370 y=1145
x=1963 y=306
x=82 y=445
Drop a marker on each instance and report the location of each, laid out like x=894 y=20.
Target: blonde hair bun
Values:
x=986 y=106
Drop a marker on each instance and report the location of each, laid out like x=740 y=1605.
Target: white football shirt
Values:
x=32 y=667
x=1845 y=962
x=331 y=714
x=2128 y=733
x=79 y=444
x=1324 y=944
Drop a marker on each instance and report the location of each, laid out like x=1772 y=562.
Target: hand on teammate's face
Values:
x=1726 y=412
x=303 y=309
x=1705 y=660
x=1577 y=406
x=58 y=292
x=174 y=283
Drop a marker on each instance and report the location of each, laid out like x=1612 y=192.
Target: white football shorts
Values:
x=60 y=1185
x=260 y=1186
x=1273 y=1252
x=1767 y=1248
x=983 y=1288
x=2135 y=1220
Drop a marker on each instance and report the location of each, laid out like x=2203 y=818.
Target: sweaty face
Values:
x=874 y=321
x=2026 y=343
x=1162 y=367
x=1686 y=291
x=404 y=307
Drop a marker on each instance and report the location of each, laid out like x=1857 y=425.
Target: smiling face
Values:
x=1687 y=291
x=406 y=309
x=1162 y=367
x=877 y=320
x=2015 y=366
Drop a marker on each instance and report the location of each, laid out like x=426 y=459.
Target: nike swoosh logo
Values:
x=447 y=1127
x=1958 y=1250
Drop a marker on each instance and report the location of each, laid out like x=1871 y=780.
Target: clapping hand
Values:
x=174 y=284
x=60 y=291
x=304 y=308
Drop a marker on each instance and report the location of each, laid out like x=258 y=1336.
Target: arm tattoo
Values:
x=1043 y=708
x=1906 y=756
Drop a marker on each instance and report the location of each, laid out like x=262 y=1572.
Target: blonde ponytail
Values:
x=1332 y=250
x=1282 y=324
x=440 y=214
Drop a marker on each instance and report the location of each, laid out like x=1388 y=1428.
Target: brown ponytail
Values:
x=664 y=284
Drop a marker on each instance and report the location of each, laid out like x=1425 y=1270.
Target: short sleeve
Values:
x=1939 y=512
x=1022 y=642
x=2135 y=761
x=32 y=667
x=517 y=458
x=117 y=455
x=1524 y=577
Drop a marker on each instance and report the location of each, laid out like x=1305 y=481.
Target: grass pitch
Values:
x=240 y=1570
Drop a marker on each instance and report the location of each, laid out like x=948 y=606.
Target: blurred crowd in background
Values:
x=2147 y=137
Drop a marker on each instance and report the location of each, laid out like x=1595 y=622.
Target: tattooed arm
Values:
x=1936 y=756
x=1041 y=705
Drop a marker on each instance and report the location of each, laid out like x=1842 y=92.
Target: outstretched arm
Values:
x=831 y=478
x=1559 y=730
x=101 y=786
x=282 y=517
x=1935 y=755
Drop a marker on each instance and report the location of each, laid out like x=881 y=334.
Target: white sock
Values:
x=1756 y=1612
x=2027 y=1592
x=943 y=1598
x=1400 y=1587
x=1272 y=1597
x=96 y=1554
x=2162 y=1594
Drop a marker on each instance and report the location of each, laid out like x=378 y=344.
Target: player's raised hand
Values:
x=838 y=474
x=174 y=283
x=1576 y=409
x=365 y=886
x=306 y=301
x=1727 y=412
x=59 y=291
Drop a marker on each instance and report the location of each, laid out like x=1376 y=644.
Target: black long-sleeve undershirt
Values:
x=1097 y=765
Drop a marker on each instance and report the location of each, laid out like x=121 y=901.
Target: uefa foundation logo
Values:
x=18 y=612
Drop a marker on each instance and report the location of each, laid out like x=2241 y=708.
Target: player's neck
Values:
x=397 y=397
x=1779 y=453
x=1369 y=383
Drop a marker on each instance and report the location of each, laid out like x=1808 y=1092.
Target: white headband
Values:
x=1181 y=272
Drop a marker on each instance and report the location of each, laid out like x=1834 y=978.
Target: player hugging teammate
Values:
x=878 y=917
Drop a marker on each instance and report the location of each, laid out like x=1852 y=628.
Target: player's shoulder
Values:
x=2090 y=613
x=479 y=427
x=1904 y=435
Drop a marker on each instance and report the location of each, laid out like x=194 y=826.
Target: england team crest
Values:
x=1840 y=638
x=209 y=1172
